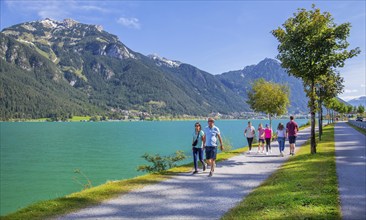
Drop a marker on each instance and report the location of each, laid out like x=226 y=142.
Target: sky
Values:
x=215 y=36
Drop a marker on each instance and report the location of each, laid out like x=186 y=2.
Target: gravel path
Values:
x=188 y=196
x=351 y=170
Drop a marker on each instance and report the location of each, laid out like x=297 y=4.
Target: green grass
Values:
x=80 y=118
x=362 y=131
x=95 y=195
x=305 y=187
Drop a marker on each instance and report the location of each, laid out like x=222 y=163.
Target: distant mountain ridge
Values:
x=358 y=101
x=73 y=68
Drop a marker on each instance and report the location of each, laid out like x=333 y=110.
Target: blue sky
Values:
x=215 y=36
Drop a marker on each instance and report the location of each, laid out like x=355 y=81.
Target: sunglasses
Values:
x=197 y=125
x=210 y=121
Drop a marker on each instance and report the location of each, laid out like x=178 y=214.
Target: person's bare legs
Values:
x=292 y=148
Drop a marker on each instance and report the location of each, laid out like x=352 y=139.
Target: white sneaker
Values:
x=266 y=153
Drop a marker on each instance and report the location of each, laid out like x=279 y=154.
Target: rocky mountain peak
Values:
x=68 y=22
x=164 y=61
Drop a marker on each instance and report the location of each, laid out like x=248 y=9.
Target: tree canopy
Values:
x=312 y=47
x=268 y=97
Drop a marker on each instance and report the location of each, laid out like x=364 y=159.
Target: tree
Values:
x=268 y=97
x=328 y=87
x=361 y=109
x=349 y=109
x=313 y=46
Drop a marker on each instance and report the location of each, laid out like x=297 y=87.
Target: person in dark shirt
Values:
x=291 y=131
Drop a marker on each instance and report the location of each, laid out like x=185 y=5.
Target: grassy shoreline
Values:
x=304 y=187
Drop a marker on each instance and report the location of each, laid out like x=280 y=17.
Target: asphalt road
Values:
x=351 y=171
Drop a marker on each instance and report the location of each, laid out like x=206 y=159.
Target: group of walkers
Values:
x=207 y=140
x=266 y=136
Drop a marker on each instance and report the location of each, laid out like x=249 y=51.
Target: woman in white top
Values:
x=249 y=133
x=281 y=136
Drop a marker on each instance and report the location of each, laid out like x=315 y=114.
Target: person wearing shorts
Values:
x=291 y=131
x=261 y=138
x=212 y=134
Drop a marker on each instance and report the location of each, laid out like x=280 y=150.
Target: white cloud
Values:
x=129 y=22
x=57 y=10
x=350 y=90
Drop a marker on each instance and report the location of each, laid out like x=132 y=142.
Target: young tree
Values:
x=349 y=109
x=312 y=46
x=328 y=87
x=268 y=97
x=361 y=109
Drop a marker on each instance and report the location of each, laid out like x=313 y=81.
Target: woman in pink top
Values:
x=268 y=136
x=261 y=138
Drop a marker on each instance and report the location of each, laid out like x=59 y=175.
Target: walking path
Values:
x=188 y=196
x=351 y=170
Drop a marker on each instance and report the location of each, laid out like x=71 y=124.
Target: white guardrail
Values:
x=360 y=124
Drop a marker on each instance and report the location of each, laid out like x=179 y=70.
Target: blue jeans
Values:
x=281 y=143
x=197 y=152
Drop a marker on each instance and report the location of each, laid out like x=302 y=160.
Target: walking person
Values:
x=212 y=134
x=281 y=137
x=291 y=131
x=249 y=134
x=268 y=136
x=260 y=138
x=197 y=147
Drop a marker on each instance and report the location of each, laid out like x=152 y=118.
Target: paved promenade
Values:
x=351 y=170
x=188 y=196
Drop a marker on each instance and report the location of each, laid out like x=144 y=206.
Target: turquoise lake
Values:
x=38 y=159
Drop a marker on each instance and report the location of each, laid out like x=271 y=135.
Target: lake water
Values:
x=38 y=159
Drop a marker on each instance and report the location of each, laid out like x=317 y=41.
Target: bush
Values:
x=161 y=163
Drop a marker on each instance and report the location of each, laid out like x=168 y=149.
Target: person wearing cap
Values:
x=212 y=134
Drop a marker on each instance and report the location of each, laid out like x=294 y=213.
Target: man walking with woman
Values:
x=212 y=135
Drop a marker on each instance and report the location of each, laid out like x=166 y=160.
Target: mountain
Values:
x=358 y=101
x=240 y=81
x=65 y=67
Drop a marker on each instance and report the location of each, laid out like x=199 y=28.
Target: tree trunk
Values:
x=320 y=121
x=312 y=112
x=270 y=121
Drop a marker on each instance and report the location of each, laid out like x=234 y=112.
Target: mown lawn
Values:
x=305 y=187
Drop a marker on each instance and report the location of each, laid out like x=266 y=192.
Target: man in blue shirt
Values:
x=212 y=133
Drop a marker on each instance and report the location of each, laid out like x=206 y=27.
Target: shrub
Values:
x=161 y=163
